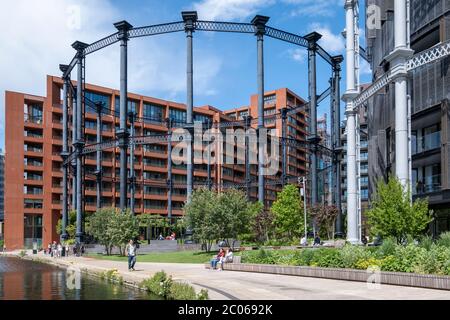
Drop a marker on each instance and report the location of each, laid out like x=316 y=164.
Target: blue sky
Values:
x=224 y=64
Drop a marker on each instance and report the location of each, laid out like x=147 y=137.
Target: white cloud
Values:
x=40 y=35
x=298 y=55
x=333 y=43
x=315 y=8
x=229 y=9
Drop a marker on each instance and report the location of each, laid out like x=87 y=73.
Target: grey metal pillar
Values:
x=260 y=30
x=336 y=124
x=208 y=168
x=190 y=18
x=248 y=176
x=313 y=139
x=79 y=143
x=74 y=161
x=65 y=154
x=132 y=117
x=98 y=171
x=122 y=134
x=169 y=169
x=284 y=144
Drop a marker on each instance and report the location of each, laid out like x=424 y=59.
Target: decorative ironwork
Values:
x=218 y=26
x=93 y=148
x=286 y=36
x=156 y=29
x=372 y=90
x=436 y=53
x=102 y=43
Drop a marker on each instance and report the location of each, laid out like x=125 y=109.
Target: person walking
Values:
x=131 y=253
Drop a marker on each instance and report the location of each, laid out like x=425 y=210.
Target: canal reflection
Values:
x=27 y=280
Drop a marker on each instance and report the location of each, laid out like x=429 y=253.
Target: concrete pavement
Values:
x=230 y=285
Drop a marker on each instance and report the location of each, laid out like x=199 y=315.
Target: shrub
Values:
x=327 y=258
x=112 y=275
x=444 y=240
x=304 y=257
x=181 y=291
x=433 y=261
x=350 y=255
x=2 y=242
x=426 y=242
x=22 y=253
x=387 y=247
x=163 y=286
x=365 y=264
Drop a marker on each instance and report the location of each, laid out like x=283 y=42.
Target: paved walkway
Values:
x=225 y=285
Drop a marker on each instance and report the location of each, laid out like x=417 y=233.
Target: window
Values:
x=270 y=99
x=133 y=106
x=153 y=112
x=33 y=113
x=201 y=118
x=178 y=116
x=96 y=97
x=32 y=204
x=364 y=194
x=32 y=230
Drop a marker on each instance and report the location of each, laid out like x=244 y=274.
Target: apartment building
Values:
x=429 y=90
x=33 y=178
x=2 y=192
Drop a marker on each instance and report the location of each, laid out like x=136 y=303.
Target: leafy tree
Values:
x=215 y=216
x=122 y=228
x=325 y=217
x=99 y=228
x=263 y=225
x=288 y=213
x=393 y=215
x=112 y=228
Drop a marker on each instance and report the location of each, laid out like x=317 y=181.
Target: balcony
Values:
x=29 y=119
x=432 y=184
x=427 y=143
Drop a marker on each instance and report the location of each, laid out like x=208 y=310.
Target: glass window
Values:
x=133 y=106
x=94 y=98
x=178 y=116
x=153 y=112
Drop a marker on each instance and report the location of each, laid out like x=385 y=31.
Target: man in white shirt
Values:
x=131 y=253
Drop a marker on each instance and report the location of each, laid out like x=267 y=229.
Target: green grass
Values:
x=166 y=257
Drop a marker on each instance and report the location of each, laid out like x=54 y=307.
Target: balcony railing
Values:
x=431 y=184
x=32 y=119
x=427 y=143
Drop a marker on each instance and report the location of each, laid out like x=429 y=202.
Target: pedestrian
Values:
x=67 y=250
x=317 y=241
x=54 y=253
x=131 y=253
x=49 y=249
x=59 y=250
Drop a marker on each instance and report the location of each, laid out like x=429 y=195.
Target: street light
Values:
x=302 y=180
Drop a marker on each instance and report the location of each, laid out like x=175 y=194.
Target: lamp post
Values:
x=302 y=181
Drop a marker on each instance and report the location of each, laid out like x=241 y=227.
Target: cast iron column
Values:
x=190 y=18
x=248 y=177
x=122 y=134
x=169 y=169
x=313 y=139
x=98 y=171
x=337 y=140
x=79 y=143
x=260 y=30
x=208 y=168
x=65 y=154
x=132 y=117
x=284 y=146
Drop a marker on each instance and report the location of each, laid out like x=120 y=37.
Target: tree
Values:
x=215 y=216
x=393 y=215
x=325 y=217
x=99 y=227
x=123 y=228
x=263 y=225
x=111 y=227
x=288 y=213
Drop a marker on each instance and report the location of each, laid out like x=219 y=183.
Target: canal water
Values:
x=28 y=280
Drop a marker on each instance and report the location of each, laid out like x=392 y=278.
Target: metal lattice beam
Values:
x=372 y=90
x=436 y=53
x=323 y=95
x=103 y=43
x=156 y=29
x=217 y=26
x=286 y=36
